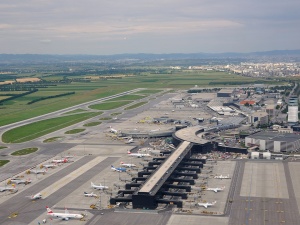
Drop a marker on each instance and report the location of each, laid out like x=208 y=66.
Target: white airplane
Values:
x=139 y=155
x=89 y=194
x=65 y=160
x=215 y=189
x=222 y=177
x=118 y=169
x=127 y=164
x=36 y=171
x=20 y=181
x=206 y=204
x=112 y=130
x=36 y=196
x=64 y=216
x=129 y=141
x=2 y=189
x=49 y=166
x=98 y=187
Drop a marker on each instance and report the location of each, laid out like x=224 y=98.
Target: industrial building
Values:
x=293 y=109
x=274 y=141
x=225 y=93
x=259 y=118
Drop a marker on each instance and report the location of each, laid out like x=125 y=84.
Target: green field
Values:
x=38 y=129
x=135 y=105
x=128 y=97
x=3 y=162
x=24 y=151
x=91 y=124
x=17 y=109
x=105 y=118
x=3 y=147
x=74 y=131
x=116 y=114
x=76 y=111
x=53 y=139
x=109 y=105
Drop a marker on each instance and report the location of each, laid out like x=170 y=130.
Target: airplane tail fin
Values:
x=49 y=210
x=121 y=163
x=92 y=184
x=66 y=211
x=214 y=202
x=128 y=152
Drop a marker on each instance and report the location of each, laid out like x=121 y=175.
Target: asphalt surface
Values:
x=260 y=210
x=28 y=210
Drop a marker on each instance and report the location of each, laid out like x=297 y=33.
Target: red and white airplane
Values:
x=65 y=160
x=64 y=216
x=127 y=164
x=139 y=155
x=36 y=196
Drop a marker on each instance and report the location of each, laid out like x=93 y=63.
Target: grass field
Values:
x=3 y=147
x=91 y=124
x=74 y=131
x=115 y=114
x=3 y=162
x=24 y=151
x=38 y=129
x=135 y=105
x=105 y=118
x=109 y=105
x=76 y=111
x=17 y=109
x=53 y=139
x=148 y=91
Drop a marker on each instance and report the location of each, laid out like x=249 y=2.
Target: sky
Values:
x=105 y=27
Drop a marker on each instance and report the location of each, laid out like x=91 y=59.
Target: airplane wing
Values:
x=205 y=206
x=215 y=190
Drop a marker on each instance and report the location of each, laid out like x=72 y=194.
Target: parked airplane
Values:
x=222 y=177
x=2 y=189
x=36 y=196
x=64 y=216
x=129 y=141
x=119 y=169
x=65 y=160
x=89 y=194
x=215 y=189
x=36 y=171
x=20 y=181
x=206 y=204
x=49 y=166
x=139 y=155
x=112 y=130
x=99 y=187
x=127 y=164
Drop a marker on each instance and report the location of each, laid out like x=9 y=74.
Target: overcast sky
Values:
x=148 y=26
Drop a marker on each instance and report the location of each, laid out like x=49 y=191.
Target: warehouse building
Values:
x=225 y=93
x=274 y=141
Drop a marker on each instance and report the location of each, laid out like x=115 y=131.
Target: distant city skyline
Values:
x=133 y=26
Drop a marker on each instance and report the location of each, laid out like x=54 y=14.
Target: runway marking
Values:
x=67 y=179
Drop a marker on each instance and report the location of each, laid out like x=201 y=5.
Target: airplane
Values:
x=2 y=189
x=49 y=166
x=20 y=181
x=36 y=196
x=215 y=189
x=222 y=177
x=206 y=204
x=65 y=160
x=36 y=171
x=98 y=187
x=112 y=130
x=129 y=141
x=64 y=216
x=119 y=169
x=89 y=194
x=139 y=155
x=127 y=164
